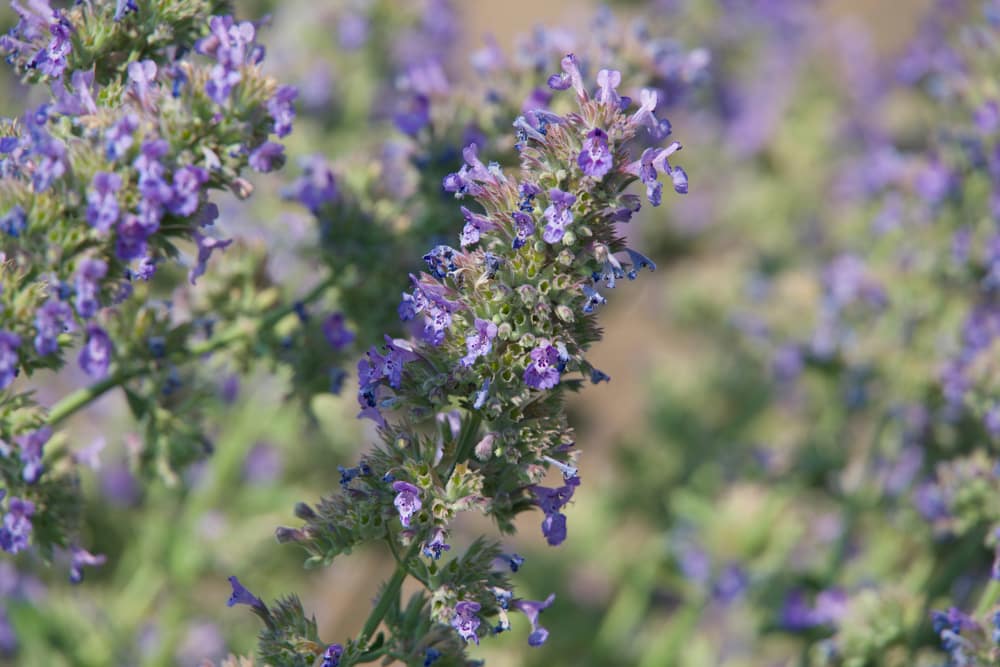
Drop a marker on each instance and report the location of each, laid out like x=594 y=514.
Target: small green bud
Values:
x=565 y=313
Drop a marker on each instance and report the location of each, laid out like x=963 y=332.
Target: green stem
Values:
x=389 y=596
x=83 y=397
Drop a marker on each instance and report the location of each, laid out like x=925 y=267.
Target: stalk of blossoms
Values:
x=469 y=409
x=98 y=188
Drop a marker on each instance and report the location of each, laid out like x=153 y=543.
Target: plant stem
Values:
x=83 y=397
x=388 y=596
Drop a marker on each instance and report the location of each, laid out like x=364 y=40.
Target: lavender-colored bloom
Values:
x=332 y=655
x=95 y=357
x=595 y=159
x=14 y=222
x=570 y=77
x=51 y=165
x=475 y=225
x=206 y=246
x=80 y=101
x=608 y=82
x=242 y=596
x=466 y=620
x=407 y=501
x=479 y=343
x=119 y=137
x=80 y=558
x=130 y=242
x=52 y=319
x=730 y=584
x=15 y=533
x=124 y=7
x=221 y=82
x=185 y=195
x=337 y=334
x=89 y=272
x=542 y=372
x=532 y=609
x=9 y=342
x=558 y=215
x=31 y=447
x=413 y=115
x=316 y=187
x=282 y=110
x=647 y=105
x=524 y=227
x=102 y=204
x=680 y=179
x=267 y=157
x=436 y=545
x=142 y=76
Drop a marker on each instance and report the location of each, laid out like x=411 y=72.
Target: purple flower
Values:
x=479 y=343
x=32 y=445
x=16 y=530
x=53 y=318
x=542 y=372
x=282 y=110
x=466 y=620
x=242 y=596
x=206 y=246
x=332 y=655
x=647 y=105
x=9 y=342
x=524 y=227
x=88 y=273
x=569 y=77
x=102 y=204
x=337 y=334
x=551 y=501
x=829 y=608
x=80 y=102
x=475 y=224
x=119 y=137
x=186 y=192
x=79 y=559
x=436 y=545
x=267 y=157
x=316 y=187
x=414 y=115
x=532 y=609
x=558 y=215
x=595 y=159
x=52 y=163
x=95 y=357
x=221 y=82
x=142 y=75
x=123 y=8
x=608 y=81
x=646 y=169
x=130 y=242
x=14 y=222
x=407 y=501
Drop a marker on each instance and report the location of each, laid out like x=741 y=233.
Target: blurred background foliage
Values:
x=732 y=480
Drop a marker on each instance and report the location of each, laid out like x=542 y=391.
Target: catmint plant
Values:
x=468 y=408
x=101 y=187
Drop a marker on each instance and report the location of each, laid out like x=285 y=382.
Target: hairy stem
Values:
x=82 y=397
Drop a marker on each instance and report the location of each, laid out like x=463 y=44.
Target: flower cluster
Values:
x=98 y=188
x=500 y=328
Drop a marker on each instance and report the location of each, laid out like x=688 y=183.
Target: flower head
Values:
x=407 y=501
x=466 y=620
